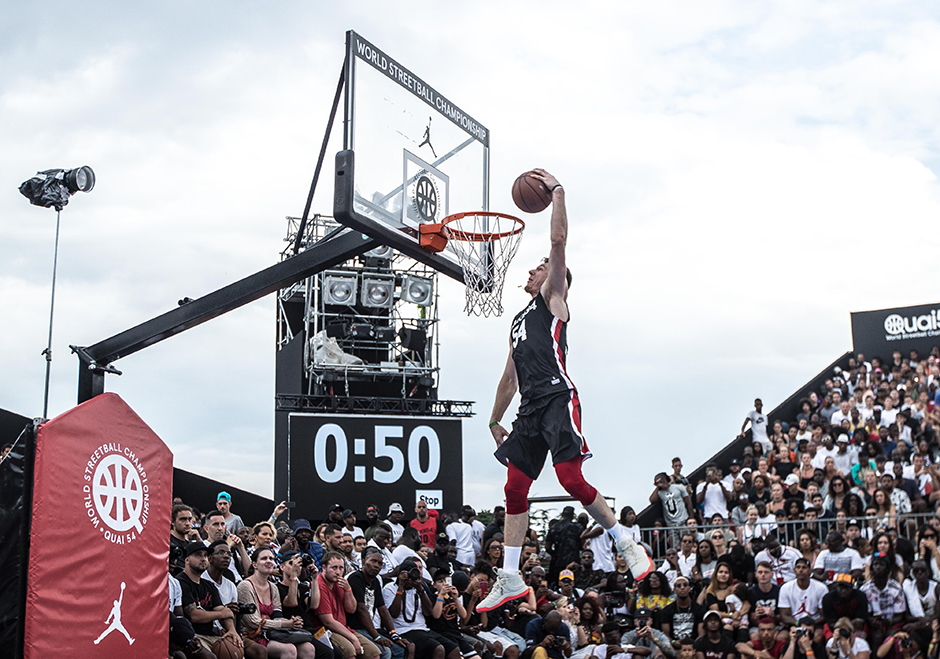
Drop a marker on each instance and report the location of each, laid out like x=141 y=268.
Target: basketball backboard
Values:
x=415 y=156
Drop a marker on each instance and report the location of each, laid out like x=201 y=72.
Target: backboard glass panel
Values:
x=419 y=157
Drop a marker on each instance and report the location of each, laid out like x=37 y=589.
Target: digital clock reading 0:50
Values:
x=392 y=453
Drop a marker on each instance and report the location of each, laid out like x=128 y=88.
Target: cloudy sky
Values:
x=740 y=177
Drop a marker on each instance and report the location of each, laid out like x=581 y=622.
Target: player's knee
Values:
x=517 y=497
x=571 y=478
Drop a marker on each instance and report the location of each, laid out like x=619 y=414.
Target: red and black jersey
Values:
x=539 y=351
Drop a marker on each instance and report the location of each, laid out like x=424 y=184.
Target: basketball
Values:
x=530 y=194
x=224 y=648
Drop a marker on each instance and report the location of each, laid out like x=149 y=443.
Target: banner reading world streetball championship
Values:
x=879 y=333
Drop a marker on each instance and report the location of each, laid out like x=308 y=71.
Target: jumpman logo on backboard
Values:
x=114 y=618
x=427 y=138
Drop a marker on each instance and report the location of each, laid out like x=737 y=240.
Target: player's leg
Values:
x=509 y=584
x=571 y=478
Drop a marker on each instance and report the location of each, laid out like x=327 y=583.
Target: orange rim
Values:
x=457 y=234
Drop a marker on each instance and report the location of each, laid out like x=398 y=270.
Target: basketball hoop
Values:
x=484 y=244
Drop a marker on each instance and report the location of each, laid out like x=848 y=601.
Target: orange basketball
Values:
x=530 y=194
x=225 y=648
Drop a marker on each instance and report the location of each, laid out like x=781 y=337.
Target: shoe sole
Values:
x=649 y=569
x=508 y=598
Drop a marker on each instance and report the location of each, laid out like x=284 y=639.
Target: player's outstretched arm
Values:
x=505 y=390
x=556 y=283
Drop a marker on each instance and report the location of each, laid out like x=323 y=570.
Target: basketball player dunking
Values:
x=549 y=417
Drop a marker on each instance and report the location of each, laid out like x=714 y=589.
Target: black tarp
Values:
x=15 y=498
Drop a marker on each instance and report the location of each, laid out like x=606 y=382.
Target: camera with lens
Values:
x=844 y=633
x=906 y=642
x=414 y=574
x=306 y=559
x=800 y=632
x=246 y=607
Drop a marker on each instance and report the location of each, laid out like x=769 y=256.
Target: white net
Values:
x=484 y=244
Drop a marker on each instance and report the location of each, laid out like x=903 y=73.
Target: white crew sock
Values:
x=618 y=532
x=511 y=556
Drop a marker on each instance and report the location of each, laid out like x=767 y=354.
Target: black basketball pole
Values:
x=48 y=351
x=316 y=172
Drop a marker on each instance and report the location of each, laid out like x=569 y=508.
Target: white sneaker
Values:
x=640 y=564
x=508 y=586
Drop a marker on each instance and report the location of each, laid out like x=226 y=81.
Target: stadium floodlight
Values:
x=378 y=291
x=380 y=252
x=339 y=287
x=417 y=290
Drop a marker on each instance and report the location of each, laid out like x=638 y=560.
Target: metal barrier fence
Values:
x=662 y=538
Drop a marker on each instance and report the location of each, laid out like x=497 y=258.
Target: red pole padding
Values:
x=102 y=494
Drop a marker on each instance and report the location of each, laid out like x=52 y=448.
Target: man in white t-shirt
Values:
x=844 y=458
x=349 y=524
x=827 y=450
x=713 y=493
x=889 y=414
x=837 y=559
x=801 y=598
x=844 y=413
x=781 y=558
x=476 y=534
x=220 y=555
x=461 y=531
x=758 y=422
x=395 y=512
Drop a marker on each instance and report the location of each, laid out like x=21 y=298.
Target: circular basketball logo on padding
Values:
x=117 y=495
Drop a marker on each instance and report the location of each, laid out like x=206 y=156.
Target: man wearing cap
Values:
x=566 y=587
x=644 y=635
x=201 y=602
x=844 y=458
x=303 y=534
x=547 y=636
x=766 y=644
x=439 y=559
x=843 y=601
x=223 y=502
x=682 y=618
x=349 y=524
x=424 y=524
x=714 y=644
x=780 y=557
x=395 y=512
x=792 y=483
x=801 y=598
x=734 y=470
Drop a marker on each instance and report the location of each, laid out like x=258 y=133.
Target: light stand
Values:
x=48 y=351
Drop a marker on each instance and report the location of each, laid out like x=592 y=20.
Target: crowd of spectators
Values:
x=821 y=539
x=822 y=536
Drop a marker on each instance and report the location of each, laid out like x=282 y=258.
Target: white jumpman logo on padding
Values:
x=115 y=619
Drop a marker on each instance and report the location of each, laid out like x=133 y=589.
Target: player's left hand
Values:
x=550 y=181
x=500 y=434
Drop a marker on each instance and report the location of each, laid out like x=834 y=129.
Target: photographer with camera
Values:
x=647 y=636
x=902 y=645
x=844 y=644
x=612 y=647
x=547 y=637
x=300 y=598
x=409 y=605
x=802 y=643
